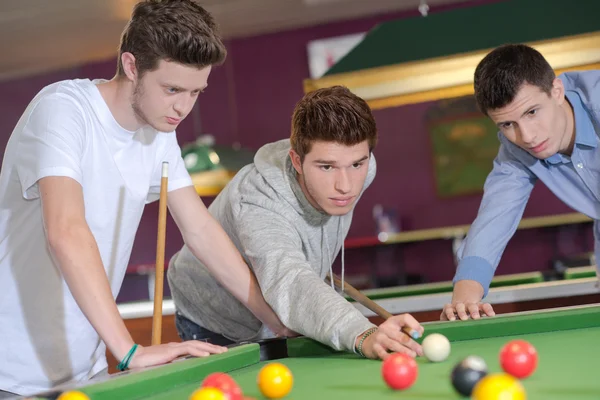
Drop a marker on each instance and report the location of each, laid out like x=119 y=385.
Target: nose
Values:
x=528 y=135
x=183 y=105
x=342 y=181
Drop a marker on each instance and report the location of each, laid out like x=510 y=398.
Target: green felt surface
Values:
x=566 y=341
x=580 y=272
x=343 y=376
x=446 y=287
x=497 y=281
x=146 y=384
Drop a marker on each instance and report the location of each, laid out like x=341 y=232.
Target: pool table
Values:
x=508 y=293
x=566 y=340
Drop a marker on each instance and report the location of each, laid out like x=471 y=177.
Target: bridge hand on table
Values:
x=465 y=310
x=164 y=353
x=466 y=301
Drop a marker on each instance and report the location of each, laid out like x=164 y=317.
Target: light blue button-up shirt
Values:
x=575 y=180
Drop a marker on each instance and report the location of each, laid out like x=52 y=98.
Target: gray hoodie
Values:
x=288 y=244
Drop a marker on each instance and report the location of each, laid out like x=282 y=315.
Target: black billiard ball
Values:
x=467 y=373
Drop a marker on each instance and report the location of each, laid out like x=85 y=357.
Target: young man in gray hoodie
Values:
x=548 y=130
x=288 y=213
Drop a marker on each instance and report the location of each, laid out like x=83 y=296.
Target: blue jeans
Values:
x=189 y=330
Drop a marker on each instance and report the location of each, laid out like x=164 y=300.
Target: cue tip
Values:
x=411 y=332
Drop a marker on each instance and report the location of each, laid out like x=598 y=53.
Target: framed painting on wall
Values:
x=464 y=143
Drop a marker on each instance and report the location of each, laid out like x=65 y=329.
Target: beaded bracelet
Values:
x=124 y=364
x=362 y=339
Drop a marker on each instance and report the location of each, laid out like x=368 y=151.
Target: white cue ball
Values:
x=436 y=347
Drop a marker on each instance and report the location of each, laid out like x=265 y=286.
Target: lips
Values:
x=173 y=121
x=540 y=147
x=342 y=201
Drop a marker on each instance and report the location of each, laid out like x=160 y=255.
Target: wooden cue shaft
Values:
x=361 y=298
x=160 y=257
x=370 y=304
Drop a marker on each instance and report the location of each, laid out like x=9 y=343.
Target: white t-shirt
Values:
x=68 y=130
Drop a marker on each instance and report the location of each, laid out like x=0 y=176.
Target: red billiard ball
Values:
x=518 y=358
x=399 y=371
x=225 y=383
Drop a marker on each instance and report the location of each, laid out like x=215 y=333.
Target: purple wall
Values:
x=405 y=181
x=250 y=99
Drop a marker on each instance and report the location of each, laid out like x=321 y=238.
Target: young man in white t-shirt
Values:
x=79 y=167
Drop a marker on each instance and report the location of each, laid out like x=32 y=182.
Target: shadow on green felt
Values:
x=570 y=392
x=381 y=390
x=376 y=390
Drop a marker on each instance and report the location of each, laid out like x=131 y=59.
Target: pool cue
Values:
x=160 y=257
x=367 y=302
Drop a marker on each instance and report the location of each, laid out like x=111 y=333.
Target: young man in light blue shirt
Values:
x=548 y=130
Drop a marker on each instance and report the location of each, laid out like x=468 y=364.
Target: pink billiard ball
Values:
x=518 y=358
x=399 y=371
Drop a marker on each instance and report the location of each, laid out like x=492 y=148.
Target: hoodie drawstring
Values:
x=323 y=240
x=340 y=230
x=339 y=235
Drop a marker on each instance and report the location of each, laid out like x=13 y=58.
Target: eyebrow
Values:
x=526 y=111
x=200 y=89
x=332 y=162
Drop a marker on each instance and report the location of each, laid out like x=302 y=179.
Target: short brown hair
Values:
x=172 y=30
x=501 y=74
x=333 y=114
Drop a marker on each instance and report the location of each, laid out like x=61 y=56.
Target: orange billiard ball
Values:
x=499 y=387
x=275 y=380
x=208 y=393
x=73 y=395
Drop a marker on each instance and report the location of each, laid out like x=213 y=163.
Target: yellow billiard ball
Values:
x=208 y=393
x=499 y=387
x=275 y=380
x=73 y=395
